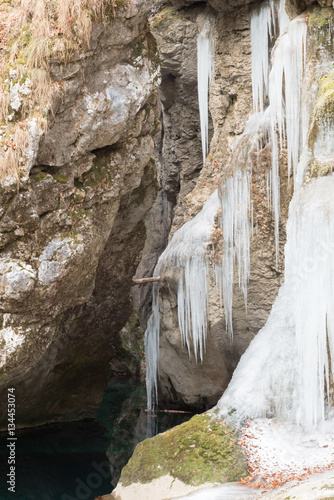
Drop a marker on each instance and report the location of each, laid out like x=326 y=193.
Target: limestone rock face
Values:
x=178 y=152
x=72 y=235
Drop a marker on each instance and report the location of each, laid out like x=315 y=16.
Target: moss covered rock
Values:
x=321 y=16
x=318 y=169
x=325 y=104
x=201 y=450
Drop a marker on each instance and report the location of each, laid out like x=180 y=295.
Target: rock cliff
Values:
x=72 y=231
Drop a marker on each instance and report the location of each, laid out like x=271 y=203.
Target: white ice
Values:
x=205 y=62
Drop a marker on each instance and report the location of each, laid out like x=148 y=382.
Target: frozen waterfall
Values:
x=205 y=60
x=285 y=371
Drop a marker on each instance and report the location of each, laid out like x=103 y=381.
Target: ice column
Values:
x=283 y=120
x=263 y=29
x=236 y=208
x=205 y=60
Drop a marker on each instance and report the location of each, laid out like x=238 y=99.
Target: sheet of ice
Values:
x=228 y=491
x=205 y=62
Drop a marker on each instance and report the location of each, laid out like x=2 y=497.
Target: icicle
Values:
x=236 y=208
x=205 y=59
x=152 y=350
x=283 y=18
x=261 y=30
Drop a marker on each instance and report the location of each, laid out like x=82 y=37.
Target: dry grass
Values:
x=13 y=151
x=71 y=18
x=32 y=33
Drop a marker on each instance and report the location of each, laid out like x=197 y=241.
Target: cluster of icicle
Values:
x=187 y=254
x=289 y=356
x=205 y=64
x=286 y=371
x=279 y=85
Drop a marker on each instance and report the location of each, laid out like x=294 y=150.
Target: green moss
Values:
x=324 y=108
x=198 y=451
x=60 y=178
x=120 y=3
x=38 y=177
x=318 y=169
x=139 y=49
x=320 y=17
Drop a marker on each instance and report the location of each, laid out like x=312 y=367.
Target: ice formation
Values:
x=263 y=29
x=283 y=114
x=287 y=371
x=187 y=254
x=236 y=207
x=205 y=59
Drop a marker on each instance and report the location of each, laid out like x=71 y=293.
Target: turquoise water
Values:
x=82 y=460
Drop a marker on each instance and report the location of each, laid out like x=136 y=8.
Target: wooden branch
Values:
x=168 y=411
x=142 y=281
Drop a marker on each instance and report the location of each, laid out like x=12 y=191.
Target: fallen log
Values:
x=142 y=281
